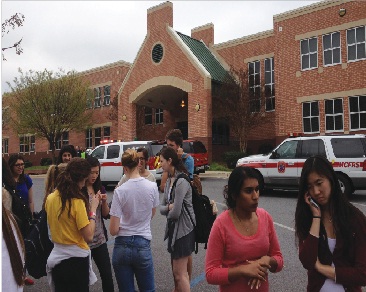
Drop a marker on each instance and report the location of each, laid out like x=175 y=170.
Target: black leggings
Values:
x=101 y=258
x=72 y=275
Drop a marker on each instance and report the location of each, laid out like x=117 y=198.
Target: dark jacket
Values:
x=350 y=264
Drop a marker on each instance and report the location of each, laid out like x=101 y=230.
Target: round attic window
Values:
x=157 y=53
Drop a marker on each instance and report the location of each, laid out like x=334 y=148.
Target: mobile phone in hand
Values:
x=312 y=202
x=103 y=190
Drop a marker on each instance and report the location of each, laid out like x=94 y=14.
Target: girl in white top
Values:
x=133 y=206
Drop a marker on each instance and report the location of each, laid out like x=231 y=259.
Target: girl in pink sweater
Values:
x=243 y=244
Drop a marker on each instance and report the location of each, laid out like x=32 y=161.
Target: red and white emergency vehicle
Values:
x=109 y=154
x=281 y=169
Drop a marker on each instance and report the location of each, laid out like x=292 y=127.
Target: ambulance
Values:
x=281 y=169
x=109 y=154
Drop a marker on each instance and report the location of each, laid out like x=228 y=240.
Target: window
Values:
x=254 y=69
x=347 y=148
x=89 y=100
x=97 y=136
x=5 y=146
x=309 y=53
x=64 y=140
x=148 y=116
x=107 y=133
x=107 y=95
x=97 y=97
x=312 y=147
x=356 y=43
x=332 y=49
x=357 y=111
x=310 y=117
x=99 y=152
x=287 y=150
x=113 y=151
x=159 y=117
x=269 y=86
x=89 y=138
x=334 y=115
x=27 y=143
x=220 y=133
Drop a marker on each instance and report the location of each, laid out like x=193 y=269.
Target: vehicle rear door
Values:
x=281 y=166
x=111 y=166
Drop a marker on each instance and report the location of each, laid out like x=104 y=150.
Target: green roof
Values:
x=206 y=58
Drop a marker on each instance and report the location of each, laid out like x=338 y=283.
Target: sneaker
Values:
x=28 y=281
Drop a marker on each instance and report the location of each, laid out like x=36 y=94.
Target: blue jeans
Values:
x=132 y=256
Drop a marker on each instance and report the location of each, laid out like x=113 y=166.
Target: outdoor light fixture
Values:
x=124 y=118
x=342 y=12
x=197 y=107
x=182 y=103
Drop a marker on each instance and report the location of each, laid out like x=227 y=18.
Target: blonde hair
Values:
x=130 y=158
x=50 y=181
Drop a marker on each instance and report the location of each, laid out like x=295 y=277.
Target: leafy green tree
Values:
x=49 y=104
x=240 y=106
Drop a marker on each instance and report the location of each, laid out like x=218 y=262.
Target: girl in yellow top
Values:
x=69 y=266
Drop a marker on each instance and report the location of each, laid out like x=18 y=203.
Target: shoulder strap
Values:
x=182 y=175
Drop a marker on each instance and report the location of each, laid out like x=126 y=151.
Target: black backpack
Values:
x=203 y=212
x=21 y=211
x=38 y=247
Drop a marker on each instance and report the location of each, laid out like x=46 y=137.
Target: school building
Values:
x=310 y=70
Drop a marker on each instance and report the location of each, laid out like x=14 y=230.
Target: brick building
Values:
x=310 y=71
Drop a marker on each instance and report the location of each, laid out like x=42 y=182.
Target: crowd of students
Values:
x=242 y=248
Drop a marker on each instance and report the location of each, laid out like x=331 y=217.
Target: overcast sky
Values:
x=81 y=35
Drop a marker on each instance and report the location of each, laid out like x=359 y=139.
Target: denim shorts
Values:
x=132 y=258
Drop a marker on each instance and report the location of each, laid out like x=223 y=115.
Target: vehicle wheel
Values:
x=345 y=184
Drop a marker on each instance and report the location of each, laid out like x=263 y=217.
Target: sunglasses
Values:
x=19 y=165
x=250 y=190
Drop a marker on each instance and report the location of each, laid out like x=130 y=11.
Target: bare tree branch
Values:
x=12 y=23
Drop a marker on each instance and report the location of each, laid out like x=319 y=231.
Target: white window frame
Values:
x=107 y=97
x=332 y=49
x=355 y=44
x=310 y=117
x=255 y=87
x=359 y=112
x=271 y=84
x=64 y=140
x=309 y=54
x=159 y=116
x=26 y=145
x=89 y=138
x=333 y=115
x=97 y=97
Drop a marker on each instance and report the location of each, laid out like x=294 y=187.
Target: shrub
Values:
x=46 y=161
x=27 y=163
x=232 y=157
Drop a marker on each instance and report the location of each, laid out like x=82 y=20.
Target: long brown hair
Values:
x=16 y=261
x=67 y=182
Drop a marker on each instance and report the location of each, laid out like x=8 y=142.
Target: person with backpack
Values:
x=69 y=265
x=98 y=247
x=176 y=205
x=24 y=192
x=174 y=139
x=243 y=245
x=23 y=182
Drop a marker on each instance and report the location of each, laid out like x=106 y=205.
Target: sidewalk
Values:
x=215 y=174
